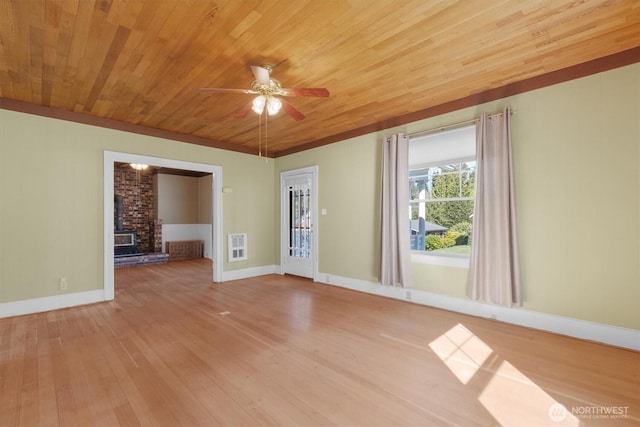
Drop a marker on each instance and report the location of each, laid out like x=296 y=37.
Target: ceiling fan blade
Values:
x=261 y=74
x=242 y=113
x=291 y=110
x=225 y=90
x=305 y=91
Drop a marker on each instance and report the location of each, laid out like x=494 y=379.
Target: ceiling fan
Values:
x=266 y=89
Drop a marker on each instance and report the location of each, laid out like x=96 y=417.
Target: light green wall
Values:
x=577 y=163
x=578 y=179
x=51 y=201
x=347 y=188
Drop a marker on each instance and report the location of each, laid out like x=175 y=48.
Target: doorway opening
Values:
x=213 y=239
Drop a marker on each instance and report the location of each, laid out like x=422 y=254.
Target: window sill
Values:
x=446 y=260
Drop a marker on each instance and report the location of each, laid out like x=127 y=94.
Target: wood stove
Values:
x=125 y=242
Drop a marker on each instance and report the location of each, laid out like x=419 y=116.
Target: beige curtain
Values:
x=494 y=273
x=395 y=253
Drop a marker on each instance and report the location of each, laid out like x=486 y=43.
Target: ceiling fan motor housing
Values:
x=273 y=88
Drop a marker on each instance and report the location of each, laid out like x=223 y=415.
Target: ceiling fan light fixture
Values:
x=267 y=93
x=138 y=166
x=273 y=105
x=258 y=104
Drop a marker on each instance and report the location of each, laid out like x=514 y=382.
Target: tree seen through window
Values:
x=443 y=196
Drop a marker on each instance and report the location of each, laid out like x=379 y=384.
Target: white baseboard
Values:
x=38 y=305
x=583 y=329
x=246 y=273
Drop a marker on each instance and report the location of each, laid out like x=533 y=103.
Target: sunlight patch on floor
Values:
x=512 y=398
x=509 y=395
x=461 y=351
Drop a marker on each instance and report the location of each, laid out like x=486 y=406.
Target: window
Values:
x=442 y=171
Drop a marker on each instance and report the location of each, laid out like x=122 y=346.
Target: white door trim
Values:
x=110 y=157
x=313 y=170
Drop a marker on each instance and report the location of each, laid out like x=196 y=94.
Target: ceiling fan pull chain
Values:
x=259 y=135
x=266 y=136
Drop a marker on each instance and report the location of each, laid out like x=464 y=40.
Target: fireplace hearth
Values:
x=134 y=260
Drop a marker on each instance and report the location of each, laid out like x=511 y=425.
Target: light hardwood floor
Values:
x=175 y=350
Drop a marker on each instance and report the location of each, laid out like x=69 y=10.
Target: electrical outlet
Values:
x=408 y=295
x=63 y=284
x=494 y=316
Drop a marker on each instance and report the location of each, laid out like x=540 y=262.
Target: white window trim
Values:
x=448 y=161
x=442 y=259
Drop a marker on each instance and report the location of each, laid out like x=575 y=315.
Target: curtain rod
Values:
x=453 y=125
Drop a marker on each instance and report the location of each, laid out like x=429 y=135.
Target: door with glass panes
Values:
x=298 y=222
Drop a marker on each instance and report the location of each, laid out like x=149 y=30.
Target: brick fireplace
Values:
x=136 y=189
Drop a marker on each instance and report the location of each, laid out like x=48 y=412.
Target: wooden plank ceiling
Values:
x=141 y=62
